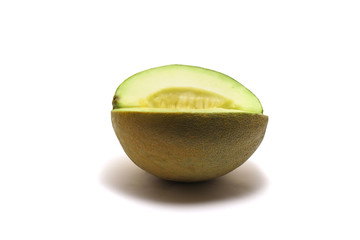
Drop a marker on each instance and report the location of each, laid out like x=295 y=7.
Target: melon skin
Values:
x=189 y=146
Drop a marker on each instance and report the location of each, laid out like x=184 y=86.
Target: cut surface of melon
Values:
x=184 y=88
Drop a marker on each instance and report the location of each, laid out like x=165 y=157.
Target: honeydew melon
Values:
x=186 y=123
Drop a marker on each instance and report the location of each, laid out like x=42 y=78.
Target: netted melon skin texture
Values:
x=188 y=147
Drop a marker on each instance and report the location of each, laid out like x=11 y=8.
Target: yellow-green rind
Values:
x=188 y=146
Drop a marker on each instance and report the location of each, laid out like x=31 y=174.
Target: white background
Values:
x=63 y=174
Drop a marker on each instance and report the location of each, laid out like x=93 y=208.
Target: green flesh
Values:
x=184 y=88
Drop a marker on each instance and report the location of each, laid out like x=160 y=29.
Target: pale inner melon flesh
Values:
x=184 y=88
x=187 y=98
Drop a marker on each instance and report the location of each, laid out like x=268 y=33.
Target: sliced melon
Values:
x=186 y=123
x=184 y=88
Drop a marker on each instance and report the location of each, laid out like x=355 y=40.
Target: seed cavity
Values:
x=187 y=98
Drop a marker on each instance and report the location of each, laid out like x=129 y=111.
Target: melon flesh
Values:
x=184 y=88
